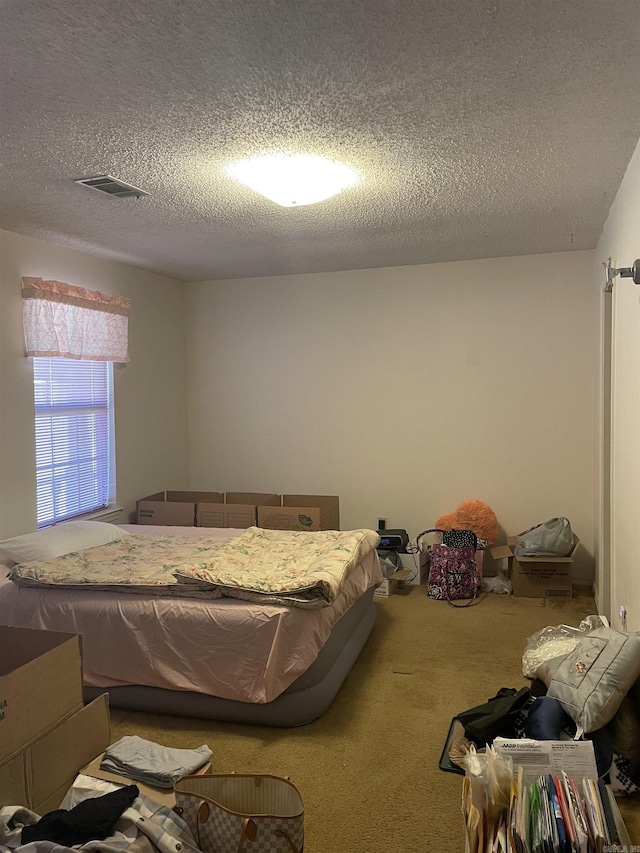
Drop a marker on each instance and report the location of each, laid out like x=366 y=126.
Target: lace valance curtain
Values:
x=61 y=320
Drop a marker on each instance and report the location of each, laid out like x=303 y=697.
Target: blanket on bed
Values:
x=136 y=564
x=302 y=569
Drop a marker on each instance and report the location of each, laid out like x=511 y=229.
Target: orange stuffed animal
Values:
x=471 y=515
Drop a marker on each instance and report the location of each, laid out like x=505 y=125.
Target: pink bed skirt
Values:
x=227 y=648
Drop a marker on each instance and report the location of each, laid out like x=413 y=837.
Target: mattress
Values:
x=233 y=650
x=304 y=701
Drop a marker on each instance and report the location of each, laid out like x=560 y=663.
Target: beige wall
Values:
x=404 y=391
x=150 y=391
x=617 y=579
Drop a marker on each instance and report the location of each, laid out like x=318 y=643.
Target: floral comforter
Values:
x=283 y=566
x=131 y=564
x=303 y=569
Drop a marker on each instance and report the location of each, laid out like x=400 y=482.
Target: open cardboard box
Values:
x=40 y=685
x=302 y=512
x=47 y=735
x=327 y=505
x=177 y=509
x=239 y=516
x=40 y=775
x=240 y=510
x=394 y=582
x=236 y=509
x=537 y=577
x=46 y=731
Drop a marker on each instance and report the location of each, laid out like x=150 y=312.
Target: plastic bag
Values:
x=389 y=562
x=497 y=583
x=486 y=794
x=554 y=538
x=86 y=788
x=556 y=641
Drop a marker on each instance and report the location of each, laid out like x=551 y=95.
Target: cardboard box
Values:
x=226 y=515
x=241 y=510
x=401 y=576
x=393 y=583
x=262 y=498
x=302 y=512
x=289 y=518
x=40 y=775
x=173 y=508
x=238 y=509
x=328 y=506
x=40 y=684
x=537 y=577
x=386 y=588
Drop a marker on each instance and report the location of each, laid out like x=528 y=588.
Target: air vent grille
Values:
x=111 y=186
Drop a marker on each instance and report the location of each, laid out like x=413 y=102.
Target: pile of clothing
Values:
x=119 y=820
x=585 y=683
x=114 y=822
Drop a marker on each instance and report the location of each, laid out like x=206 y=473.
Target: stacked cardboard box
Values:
x=240 y=510
x=46 y=733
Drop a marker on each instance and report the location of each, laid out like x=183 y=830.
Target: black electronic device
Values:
x=393 y=540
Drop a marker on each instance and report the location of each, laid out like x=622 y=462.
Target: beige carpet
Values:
x=368 y=770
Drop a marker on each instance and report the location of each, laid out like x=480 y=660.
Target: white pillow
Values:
x=55 y=541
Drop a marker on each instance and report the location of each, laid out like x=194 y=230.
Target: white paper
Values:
x=540 y=757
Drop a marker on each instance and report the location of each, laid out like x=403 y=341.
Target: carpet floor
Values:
x=368 y=770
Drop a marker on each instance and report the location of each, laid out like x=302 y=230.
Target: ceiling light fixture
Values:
x=293 y=180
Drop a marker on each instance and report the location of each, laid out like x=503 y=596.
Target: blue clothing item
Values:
x=547 y=720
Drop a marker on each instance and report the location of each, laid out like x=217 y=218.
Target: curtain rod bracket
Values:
x=624 y=272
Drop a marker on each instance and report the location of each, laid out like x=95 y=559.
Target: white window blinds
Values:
x=74 y=433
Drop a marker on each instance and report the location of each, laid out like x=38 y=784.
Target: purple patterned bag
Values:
x=453 y=572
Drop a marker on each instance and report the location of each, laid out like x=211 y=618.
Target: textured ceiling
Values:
x=481 y=129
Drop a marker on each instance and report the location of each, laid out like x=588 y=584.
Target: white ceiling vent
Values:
x=111 y=186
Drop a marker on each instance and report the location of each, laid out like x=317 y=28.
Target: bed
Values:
x=214 y=656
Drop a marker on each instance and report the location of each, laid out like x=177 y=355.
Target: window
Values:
x=75 y=459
